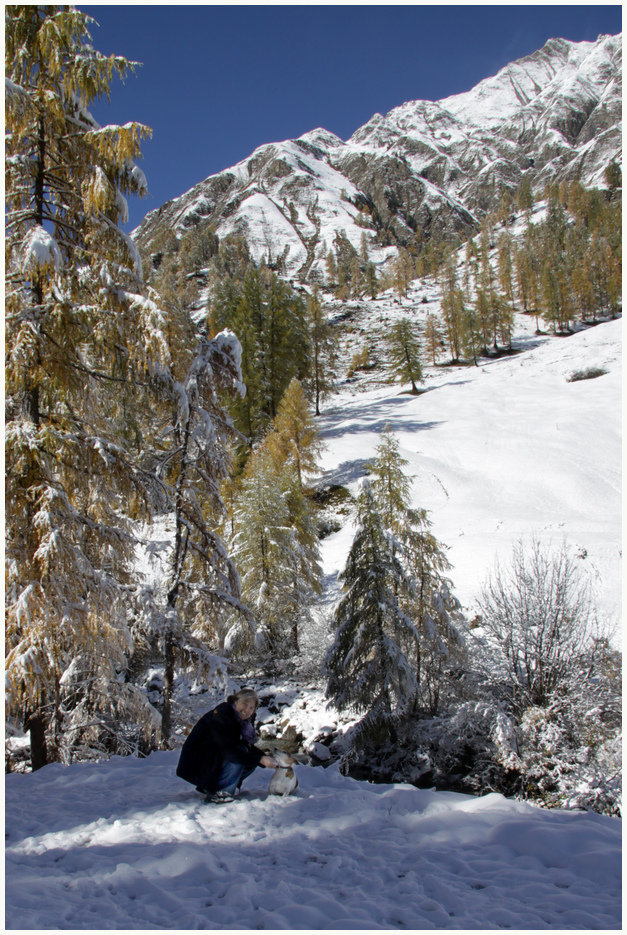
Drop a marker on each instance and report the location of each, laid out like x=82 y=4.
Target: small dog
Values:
x=283 y=781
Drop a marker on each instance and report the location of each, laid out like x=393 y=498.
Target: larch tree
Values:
x=322 y=349
x=91 y=446
x=203 y=587
x=293 y=438
x=405 y=352
x=85 y=358
x=275 y=549
x=433 y=337
x=453 y=310
x=436 y=643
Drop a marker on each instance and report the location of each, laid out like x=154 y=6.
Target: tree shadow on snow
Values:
x=358 y=422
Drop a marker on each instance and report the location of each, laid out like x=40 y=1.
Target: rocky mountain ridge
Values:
x=426 y=169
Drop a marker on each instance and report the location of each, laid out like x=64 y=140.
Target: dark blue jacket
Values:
x=215 y=738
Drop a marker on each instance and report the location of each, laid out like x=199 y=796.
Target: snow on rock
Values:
x=126 y=845
x=431 y=166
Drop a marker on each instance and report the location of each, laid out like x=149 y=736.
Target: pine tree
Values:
x=203 y=584
x=505 y=267
x=322 y=349
x=404 y=352
x=433 y=337
x=453 y=315
x=403 y=271
x=429 y=601
x=91 y=388
x=270 y=321
x=523 y=196
x=372 y=285
x=613 y=176
x=331 y=269
x=276 y=551
x=472 y=340
x=356 y=278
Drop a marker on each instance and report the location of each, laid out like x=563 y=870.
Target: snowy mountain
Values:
x=431 y=167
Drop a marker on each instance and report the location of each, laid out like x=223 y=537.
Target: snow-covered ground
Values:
x=127 y=845
x=505 y=450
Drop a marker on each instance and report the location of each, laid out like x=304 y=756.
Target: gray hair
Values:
x=245 y=694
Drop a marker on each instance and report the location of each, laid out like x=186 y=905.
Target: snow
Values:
x=497 y=451
x=41 y=249
x=505 y=450
x=126 y=845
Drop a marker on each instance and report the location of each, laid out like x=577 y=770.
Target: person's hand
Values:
x=269 y=762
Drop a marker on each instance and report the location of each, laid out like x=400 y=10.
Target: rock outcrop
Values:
x=430 y=169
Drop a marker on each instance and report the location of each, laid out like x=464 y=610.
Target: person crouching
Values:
x=220 y=752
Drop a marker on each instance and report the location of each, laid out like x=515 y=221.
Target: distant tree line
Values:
x=564 y=269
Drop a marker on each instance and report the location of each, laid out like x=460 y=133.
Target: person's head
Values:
x=245 y=703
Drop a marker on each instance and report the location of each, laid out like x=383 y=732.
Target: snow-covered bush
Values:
x=534 y=710
x=571 y=748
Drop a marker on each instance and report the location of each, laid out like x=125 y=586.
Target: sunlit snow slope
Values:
x=505 y=450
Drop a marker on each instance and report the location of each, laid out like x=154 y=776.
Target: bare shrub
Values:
x=538 y=618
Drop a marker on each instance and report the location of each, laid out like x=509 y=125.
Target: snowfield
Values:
x=505 y=450
x=127 y=845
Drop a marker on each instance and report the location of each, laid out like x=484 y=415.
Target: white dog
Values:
x=283 y=781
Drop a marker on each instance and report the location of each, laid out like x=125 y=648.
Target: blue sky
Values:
x=218 y=81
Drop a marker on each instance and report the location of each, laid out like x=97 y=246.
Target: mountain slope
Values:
x=425 y=168
x=506 y=450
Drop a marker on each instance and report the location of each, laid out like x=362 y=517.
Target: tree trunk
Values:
x=168 y=684
x=38 y=750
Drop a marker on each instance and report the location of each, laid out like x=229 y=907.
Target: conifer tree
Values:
x=91 y=387
x=403 y=271
x=331 y=268
x=270 y=321
x=322 y=349
x=356 y=278
x=453 y=316
x=613 y=176
x=505 y=267
x=404 y=352
x=524 y=194
x=472 y=341
x=433 y=337
x=276 y=552
x=86 y=351
x=293 y=439
x=482 y=317
x=203 y=585
x=366 y=667
x=429 y=601
x=372 y=285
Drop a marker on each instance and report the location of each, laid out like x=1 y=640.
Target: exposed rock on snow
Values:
x=425 y=166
